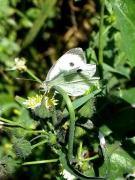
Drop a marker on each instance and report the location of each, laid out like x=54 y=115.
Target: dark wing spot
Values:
x=71 y=64
x=79 y=70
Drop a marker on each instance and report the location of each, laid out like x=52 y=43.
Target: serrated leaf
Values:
x=119 y=162
x=125 y=17
x=22 y=147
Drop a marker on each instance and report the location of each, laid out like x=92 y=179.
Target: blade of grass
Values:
x=100 y=52
x=46 y=10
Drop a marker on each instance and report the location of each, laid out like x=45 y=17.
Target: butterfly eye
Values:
x=71 y=64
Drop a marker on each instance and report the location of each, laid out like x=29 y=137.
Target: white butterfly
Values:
x=71 y=73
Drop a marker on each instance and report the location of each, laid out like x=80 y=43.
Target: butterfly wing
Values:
x=72 y=59
x=90 y=69
x=75 y=83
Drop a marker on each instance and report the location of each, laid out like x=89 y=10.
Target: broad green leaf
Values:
x=113 y=70
x=119 y=164
x=125 y=22
x=128 y=95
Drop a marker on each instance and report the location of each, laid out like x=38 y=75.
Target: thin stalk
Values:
x=40 y=162
x=91 y=158
x=37 y=137
x=7 y=121
x=101 y=25
x=40 y=143
x=10 y=123
x=79 y=153
x=33 y=76
x=72 y=121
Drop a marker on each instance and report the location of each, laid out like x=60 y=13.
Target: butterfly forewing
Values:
x=72 y=59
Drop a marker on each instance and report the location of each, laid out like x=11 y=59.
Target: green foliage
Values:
x=88 y=109
x=7 y=166
x=124 y=11
x=41 y=31
x=46 y=11
x=22 y=147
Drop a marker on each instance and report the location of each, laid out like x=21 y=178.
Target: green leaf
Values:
x=119 y=162
x=7 y=166
x=126 y=94
x=22 y=147
x=114 y=70
x=125 y=22
x=88 y=109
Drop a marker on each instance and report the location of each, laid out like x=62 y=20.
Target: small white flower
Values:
x=20 y=64
x=67 y=175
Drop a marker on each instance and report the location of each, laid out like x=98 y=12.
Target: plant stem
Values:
x=72 y=121
x=54 y=118
x=40 y=162
x=33 y=76
x=91 y=158
x=80 y=150
x=37 y=137
x=7 y=121
x=40 y=143
x=100 y=52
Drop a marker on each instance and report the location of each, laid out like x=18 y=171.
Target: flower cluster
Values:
x=19 y=64
x=34 y=101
